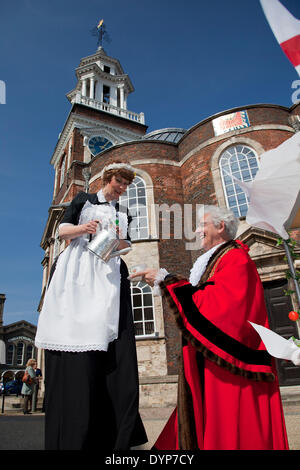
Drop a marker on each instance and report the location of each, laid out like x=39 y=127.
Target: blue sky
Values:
x=187 y=61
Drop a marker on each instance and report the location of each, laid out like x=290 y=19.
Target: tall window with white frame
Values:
x=10 y=354
x=240 y=162
x=136 y=201
x=20 y=354
x=29 y=353
x=143 y=309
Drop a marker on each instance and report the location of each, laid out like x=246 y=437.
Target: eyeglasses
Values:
x=204 y=224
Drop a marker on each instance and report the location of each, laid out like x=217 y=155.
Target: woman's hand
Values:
x=68 y=231
x=90 y=227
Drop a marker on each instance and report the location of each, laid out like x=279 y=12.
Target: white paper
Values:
x=276 y=345
x=275 y=192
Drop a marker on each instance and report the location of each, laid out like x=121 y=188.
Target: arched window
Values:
x=241 y=162
x=143 y=311
x=10 y=354
x=20 y=354
x=136 y=202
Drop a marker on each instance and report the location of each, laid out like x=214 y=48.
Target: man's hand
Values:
x=148 y=275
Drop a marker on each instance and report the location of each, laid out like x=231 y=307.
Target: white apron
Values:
x=81 y=306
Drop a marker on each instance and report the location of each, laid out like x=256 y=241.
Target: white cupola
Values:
x=103 y=85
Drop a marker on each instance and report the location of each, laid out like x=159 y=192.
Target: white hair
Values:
x=219 y=214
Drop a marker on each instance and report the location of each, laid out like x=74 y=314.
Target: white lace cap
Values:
x=115 y=166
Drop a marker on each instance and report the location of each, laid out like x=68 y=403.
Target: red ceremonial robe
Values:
x=228 y=391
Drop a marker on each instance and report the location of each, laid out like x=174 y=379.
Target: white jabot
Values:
x=195 y=273
x=200 y=265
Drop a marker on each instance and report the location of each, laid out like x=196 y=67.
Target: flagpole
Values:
x=292 y=269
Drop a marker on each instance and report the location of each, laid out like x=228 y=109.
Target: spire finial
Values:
x=101 y=32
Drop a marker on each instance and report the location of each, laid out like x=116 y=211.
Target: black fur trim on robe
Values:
x=263 y=355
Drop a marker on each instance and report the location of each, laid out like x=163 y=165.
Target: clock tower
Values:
x=102 y=85
x=99 y=118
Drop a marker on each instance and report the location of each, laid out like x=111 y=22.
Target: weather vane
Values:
x=101 y=32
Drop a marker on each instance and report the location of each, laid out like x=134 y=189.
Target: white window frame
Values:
x=12 y=346
x=17 y=354
x=234 y=168
x=136 y=231
x=144 y=289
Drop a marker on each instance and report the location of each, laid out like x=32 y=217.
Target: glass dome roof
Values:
x=170 y=134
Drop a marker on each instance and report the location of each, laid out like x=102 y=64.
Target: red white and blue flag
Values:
x=286 y=29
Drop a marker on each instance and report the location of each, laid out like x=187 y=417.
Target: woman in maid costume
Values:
x=86 y=329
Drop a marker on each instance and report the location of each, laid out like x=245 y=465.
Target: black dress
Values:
x=92 y=397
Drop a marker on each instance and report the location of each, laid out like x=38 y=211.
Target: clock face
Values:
x=97 y=144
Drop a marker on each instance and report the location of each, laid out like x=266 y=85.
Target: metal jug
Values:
x=105 y=242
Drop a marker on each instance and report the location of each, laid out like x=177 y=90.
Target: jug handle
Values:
x=120 y=252
x=98 y=229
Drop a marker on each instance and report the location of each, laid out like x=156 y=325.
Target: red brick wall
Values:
x=258 y=115
x=196 y=173
x=77 y=146
x=190 y=183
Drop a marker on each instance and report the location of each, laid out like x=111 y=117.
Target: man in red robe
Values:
x=228 y=390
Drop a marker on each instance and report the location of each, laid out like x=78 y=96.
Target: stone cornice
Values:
x=101 y=55
x=160 y=161
x=22 y=324
x=90 y=129
x=78 y=121
x=95 y=69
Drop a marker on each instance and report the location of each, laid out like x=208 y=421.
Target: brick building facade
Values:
x=16 y=346
x=177 y=169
